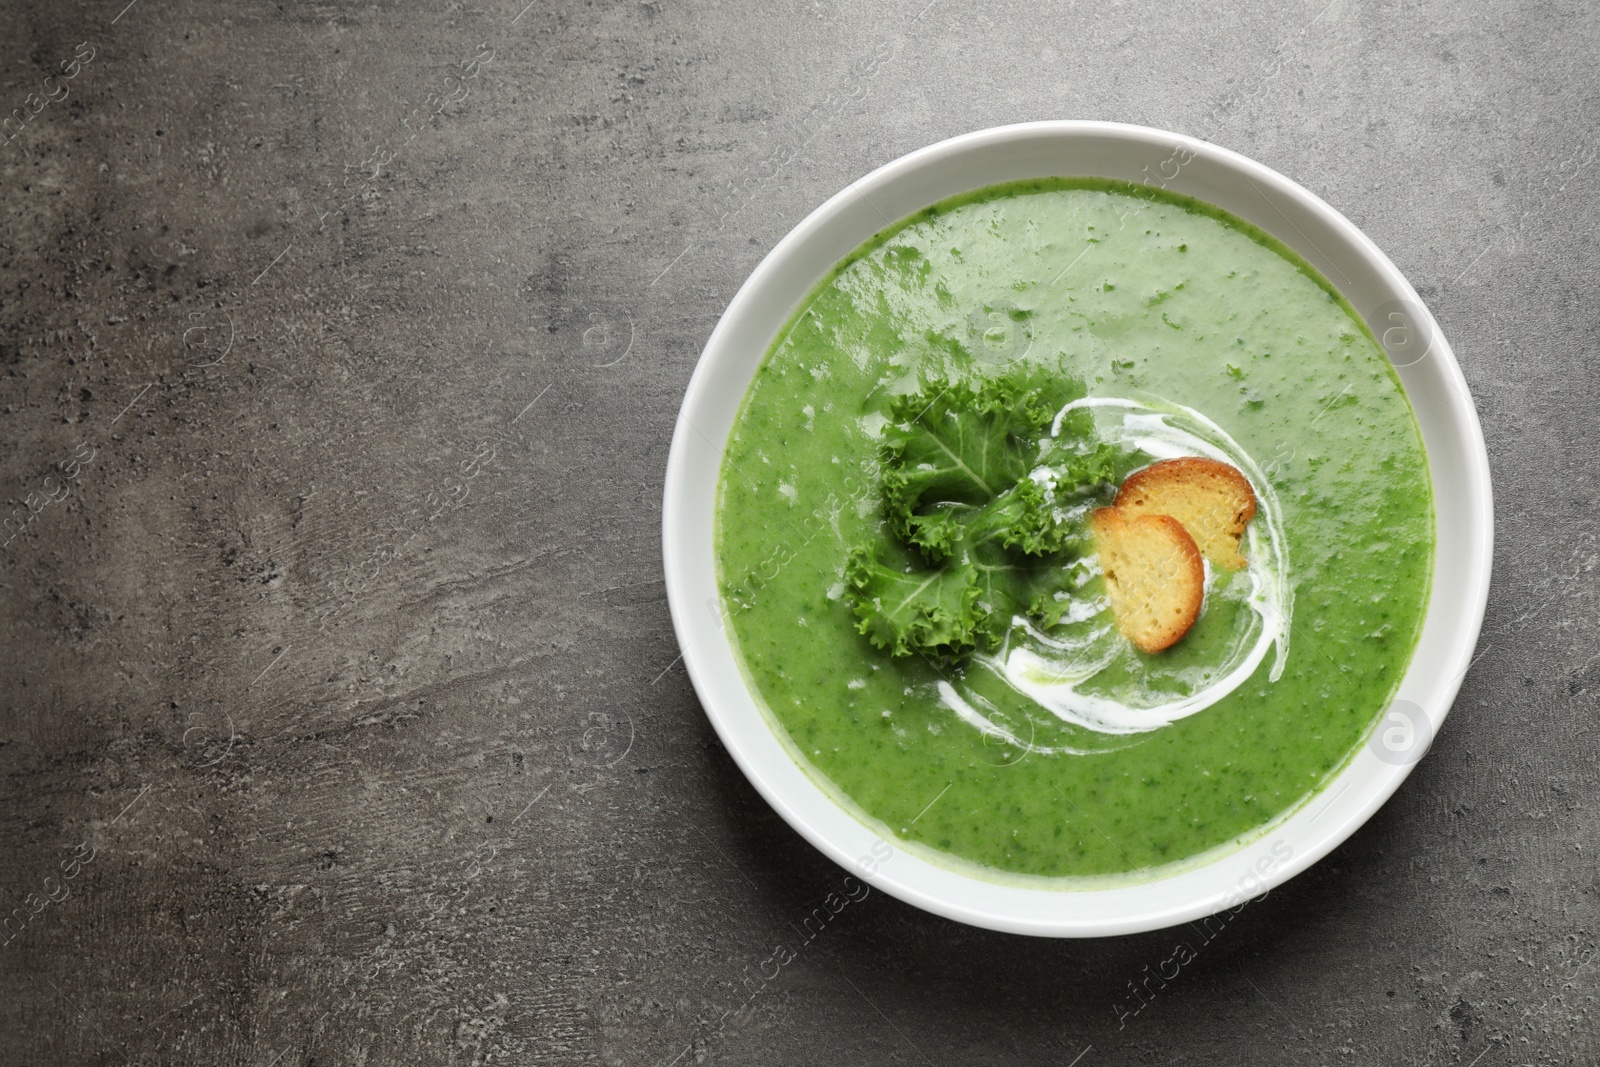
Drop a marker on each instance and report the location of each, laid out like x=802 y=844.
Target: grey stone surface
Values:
x=341 y=716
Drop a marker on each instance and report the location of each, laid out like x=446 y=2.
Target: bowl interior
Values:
x=1439 y=396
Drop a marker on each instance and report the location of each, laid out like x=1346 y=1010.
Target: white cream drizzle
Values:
x=1051 y=670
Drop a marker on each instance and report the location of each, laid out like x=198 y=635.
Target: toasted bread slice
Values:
x=1212 y=500
x=1153 y=574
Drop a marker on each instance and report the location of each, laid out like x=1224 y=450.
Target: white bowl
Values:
x=1225 y=877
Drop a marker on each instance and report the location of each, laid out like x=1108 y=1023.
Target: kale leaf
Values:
x=905 y=609
x=976 y=515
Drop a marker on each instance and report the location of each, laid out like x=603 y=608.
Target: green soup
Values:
x=1056 y=749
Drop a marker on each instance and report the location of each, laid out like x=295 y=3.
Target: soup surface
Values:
x=1084 y=328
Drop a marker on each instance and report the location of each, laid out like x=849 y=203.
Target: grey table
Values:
x=341 y=346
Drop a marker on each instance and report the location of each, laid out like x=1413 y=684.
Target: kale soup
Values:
x=1072 y=529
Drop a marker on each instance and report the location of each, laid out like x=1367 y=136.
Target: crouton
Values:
x=1153 y=574
x=1212 y=500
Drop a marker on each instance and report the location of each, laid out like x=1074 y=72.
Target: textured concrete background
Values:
x=341 y=716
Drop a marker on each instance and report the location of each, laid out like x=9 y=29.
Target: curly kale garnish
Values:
x=906 y=609
x=973 y=488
